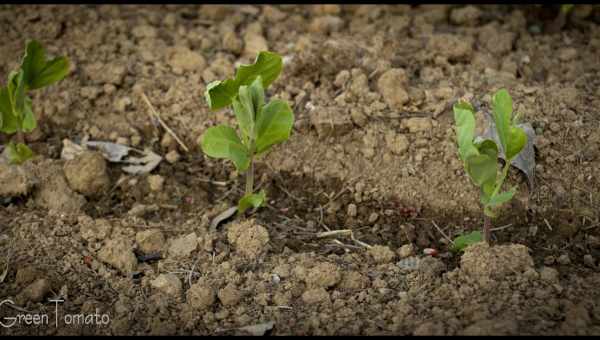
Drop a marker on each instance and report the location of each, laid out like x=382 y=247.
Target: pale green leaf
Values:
x=463 y=241
x=39 y=72
x=273 y=124
x=29 y=122
x=482 y=169
x=251 y=200
x=464 y=118
x=501 y=198
x=516 y=142
x=18 y=153
x=502 y=112
x=223 y=142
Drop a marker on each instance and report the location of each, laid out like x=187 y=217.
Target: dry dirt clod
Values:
x=549 y=274
x=15 y=180
x=418 y=124
x=249 y=238
x=230 y=295
x=118 y=253
x=200 y=295
x=323 y=275
x=316 y=295
x=172 y=156
x=486 y=264
x=406 y=250
x=589 y=261
x=26 y=275
x=392 y=86
x=150 y=241
x=156 y=182
x=53 y=192
x=93 y=230
x=86 y=173
x=182 y=59
x=169 y=284
x=35 y=292
x=382 y=254
x=183 y=246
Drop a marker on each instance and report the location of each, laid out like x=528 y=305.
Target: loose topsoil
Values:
x=373 y=150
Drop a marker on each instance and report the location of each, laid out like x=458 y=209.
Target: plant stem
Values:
x=504 y=174
x=487 y=226
x=250 y=178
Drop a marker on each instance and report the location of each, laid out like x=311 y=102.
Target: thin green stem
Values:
x=250 y=177
x=504 y=175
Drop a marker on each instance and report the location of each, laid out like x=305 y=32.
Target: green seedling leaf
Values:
x=16 y=92
x=463 y=241
x=246 y=106
x=251 y=200
x=29 y=122
x=38 y=71
x=516 y=142
x=501 y=198
x=524 y=160
x=273 y=125
x=482 y=169
x=18 y=153
x=267 y=65
x=566 y=8
x=502 y=112
x=223 y=142
x=464 y=116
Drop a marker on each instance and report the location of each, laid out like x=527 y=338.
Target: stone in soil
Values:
x=549 y=274
x=330 y=121
x=150 y=241
x=118 y=253
x=86 y=173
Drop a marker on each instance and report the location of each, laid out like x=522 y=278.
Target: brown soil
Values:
x=373 y=150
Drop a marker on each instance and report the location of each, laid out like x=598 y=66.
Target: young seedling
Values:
x=480 y=156
x=16 y=115
x=261 y=124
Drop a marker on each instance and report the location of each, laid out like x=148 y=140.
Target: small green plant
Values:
x=261 y=124
x=480 y=156
x=16 y=115
x=463 y=241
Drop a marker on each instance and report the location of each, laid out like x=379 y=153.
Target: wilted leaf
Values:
x=223 y=142
x=222 y=217
x=268 y=65
x=463 y=241
x=273 y=124
x=251 y=200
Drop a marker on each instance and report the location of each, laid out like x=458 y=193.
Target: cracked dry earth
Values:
x=372 y=150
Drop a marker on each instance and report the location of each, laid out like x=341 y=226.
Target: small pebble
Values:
x=549 y=260
x=352 y=210
x=373 y=217
x=564 y=259
x=588 y=260
x=172 y=157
